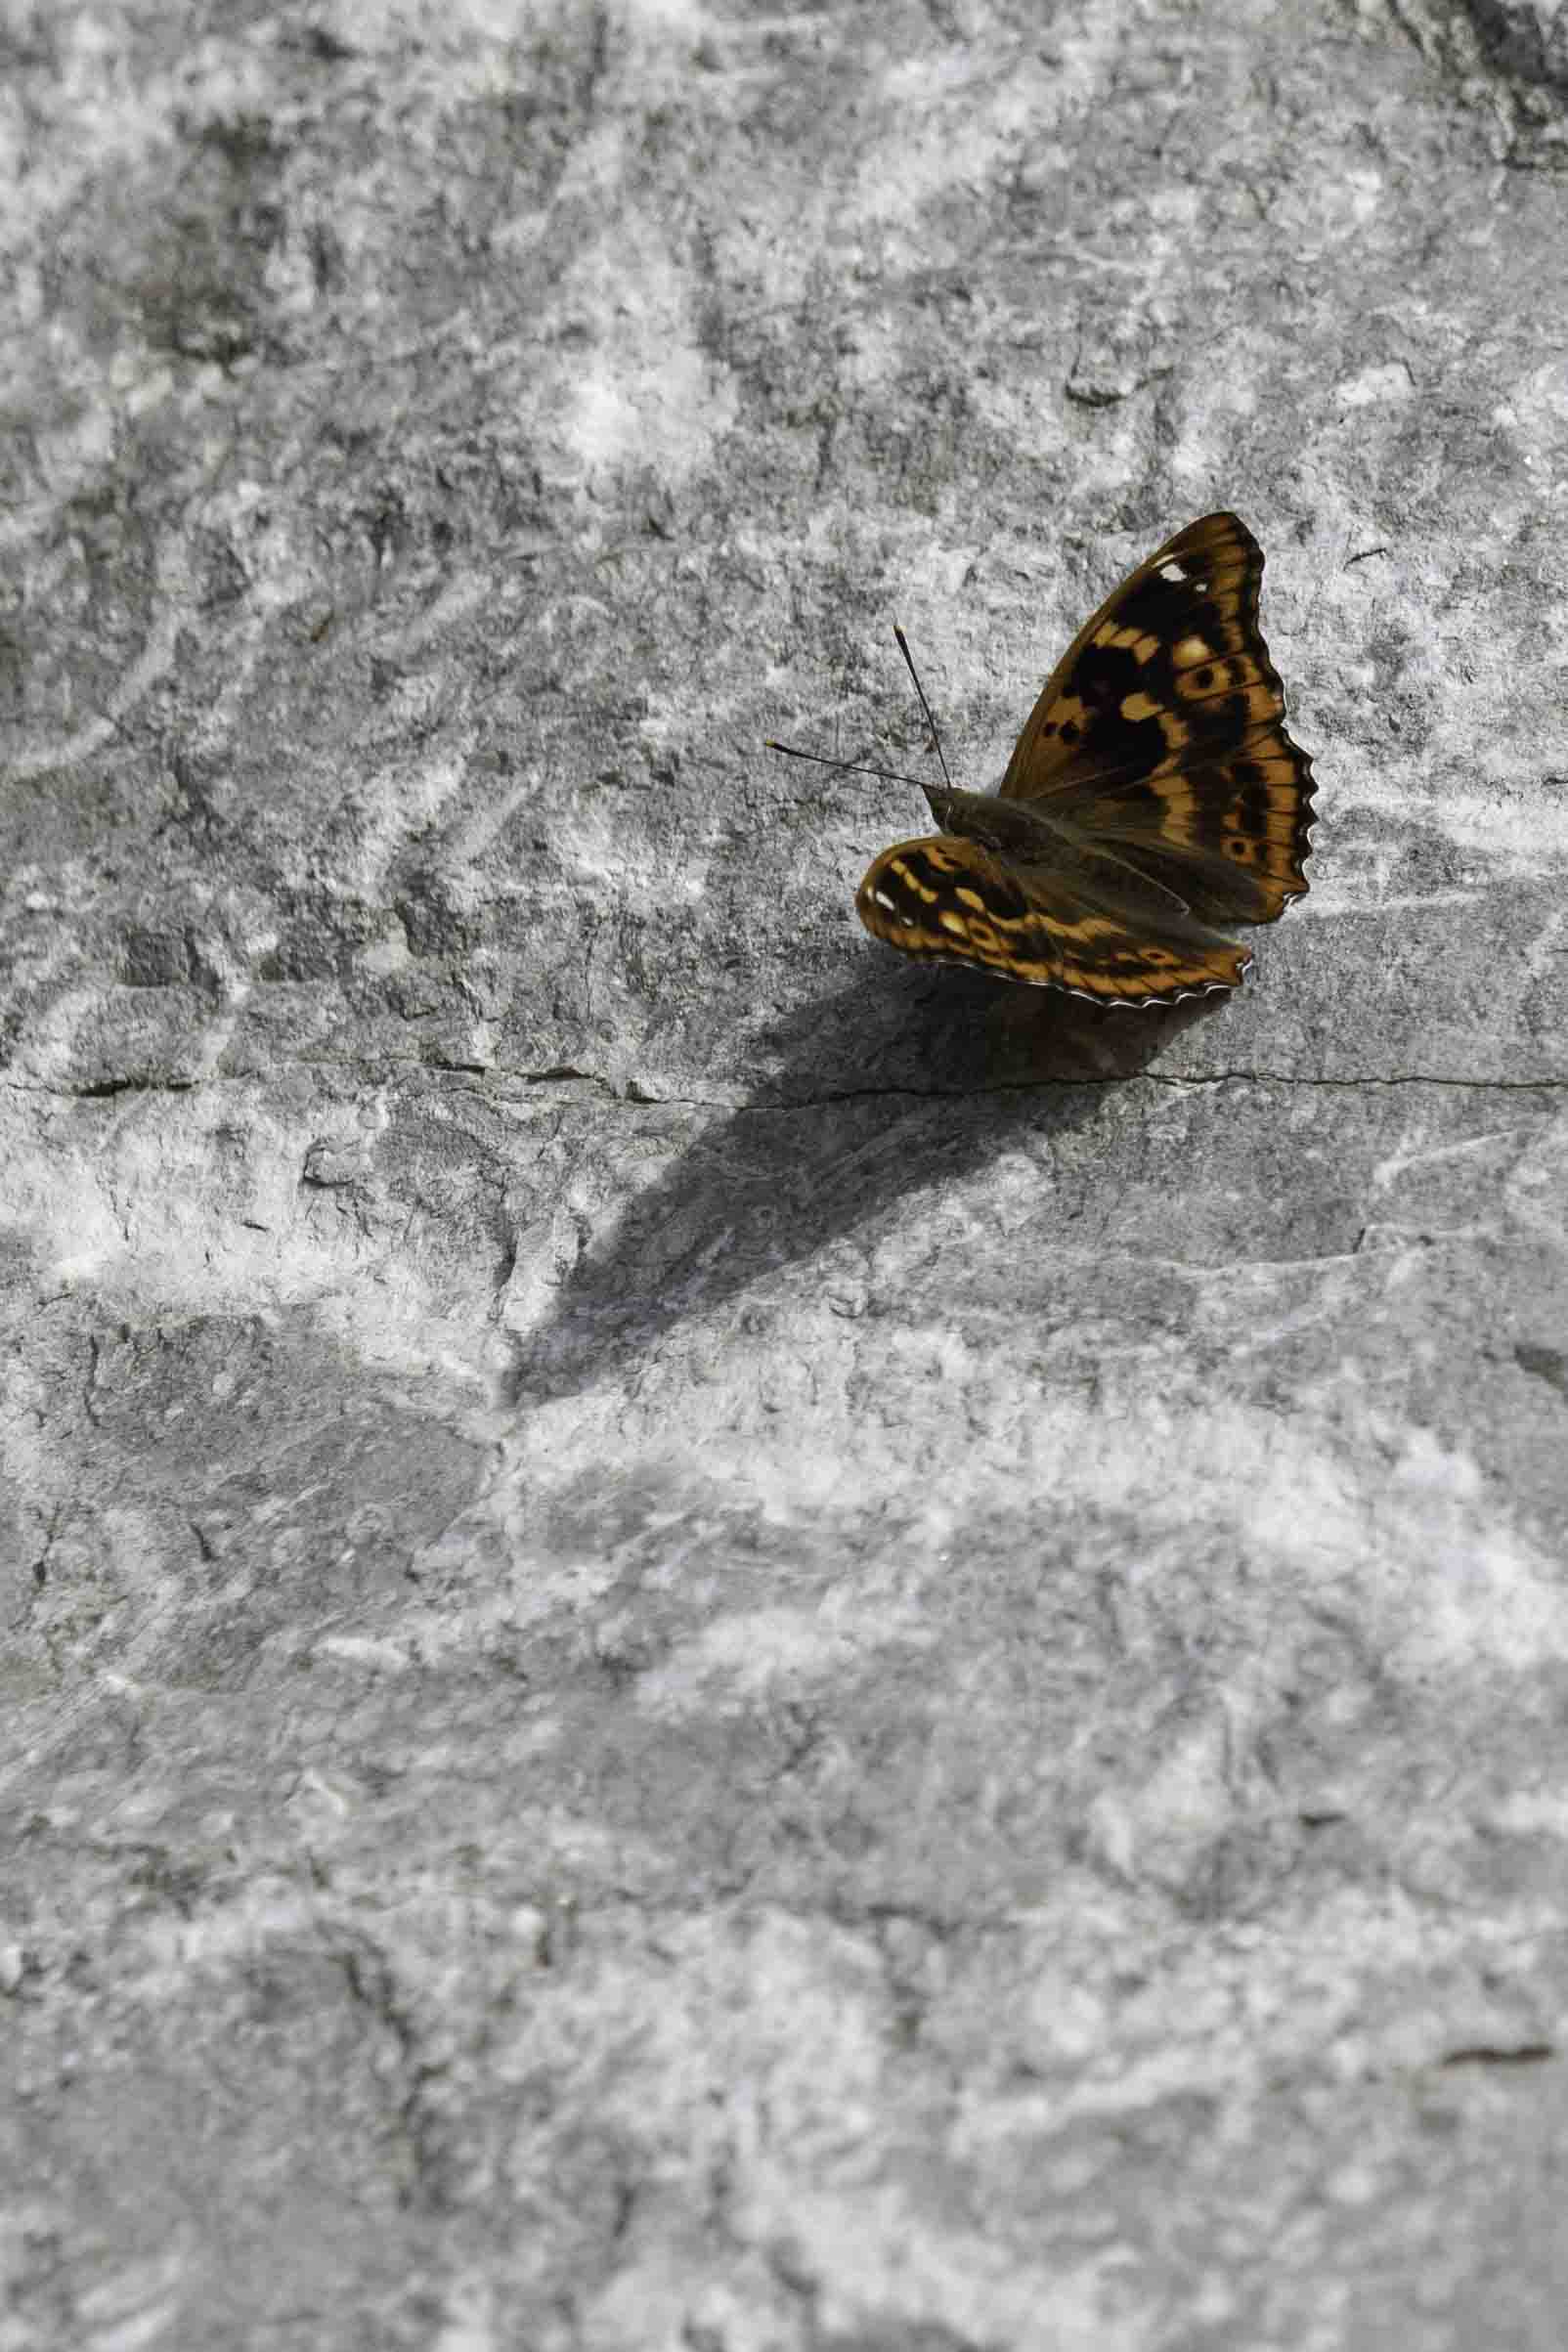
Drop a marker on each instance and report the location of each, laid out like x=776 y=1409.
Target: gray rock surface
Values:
x=713 y=1645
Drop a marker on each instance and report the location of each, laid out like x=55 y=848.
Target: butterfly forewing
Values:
x=1173 y=663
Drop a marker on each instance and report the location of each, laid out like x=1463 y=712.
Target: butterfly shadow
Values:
x=896 y=1079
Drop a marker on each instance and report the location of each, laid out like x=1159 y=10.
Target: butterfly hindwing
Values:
x=1097 y=932
x=1229 y=833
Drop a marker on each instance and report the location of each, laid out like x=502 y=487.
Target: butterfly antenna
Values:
x=853 y=767
x=910 y=664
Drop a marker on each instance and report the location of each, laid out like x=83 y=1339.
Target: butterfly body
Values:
x=1153 y=794
x=1013 y=828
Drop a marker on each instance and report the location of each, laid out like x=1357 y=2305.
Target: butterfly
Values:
x=1153 y=794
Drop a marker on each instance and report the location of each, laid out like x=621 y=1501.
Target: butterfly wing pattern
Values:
x=1152 y=794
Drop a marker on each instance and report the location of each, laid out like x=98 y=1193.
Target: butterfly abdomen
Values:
x=1007 y=827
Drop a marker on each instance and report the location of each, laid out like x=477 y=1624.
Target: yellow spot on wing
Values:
x=1138 y=642
x=906 y=873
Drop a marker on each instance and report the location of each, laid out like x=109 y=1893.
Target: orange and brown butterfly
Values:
x=1153 y=794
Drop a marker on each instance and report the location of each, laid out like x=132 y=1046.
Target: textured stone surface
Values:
x=710 y=1645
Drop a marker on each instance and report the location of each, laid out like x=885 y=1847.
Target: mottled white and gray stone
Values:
x=713 y=1645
